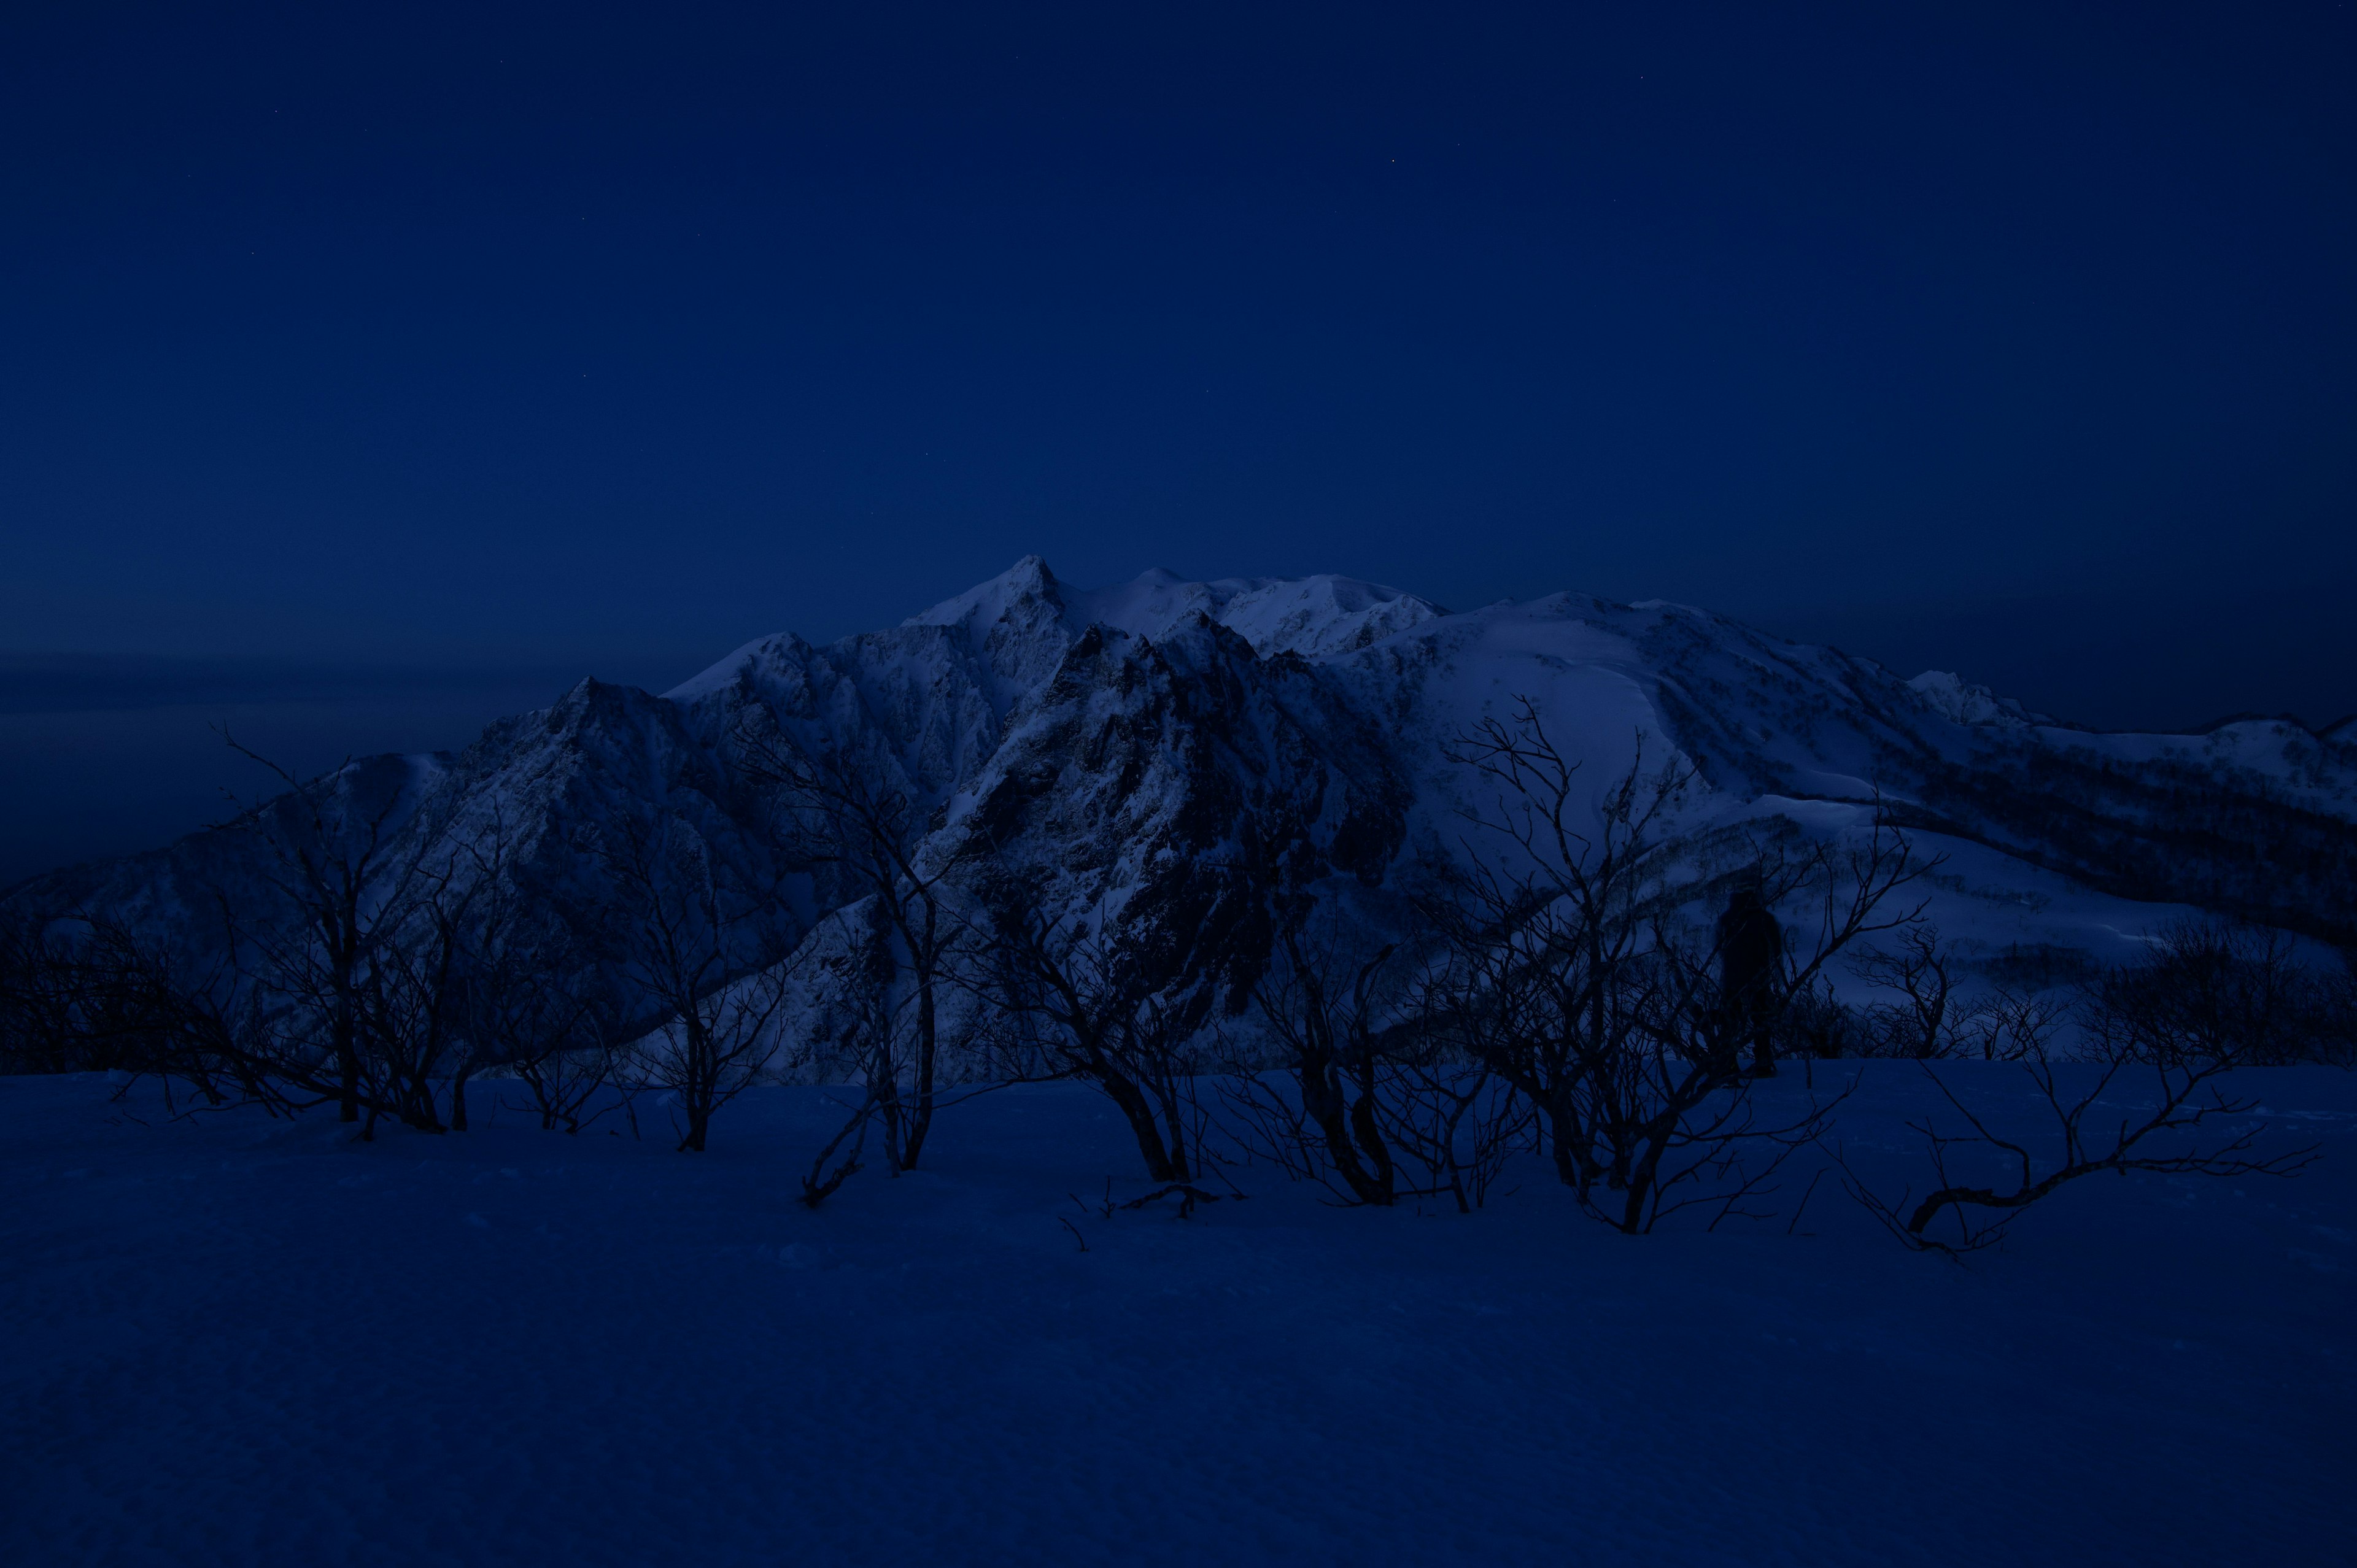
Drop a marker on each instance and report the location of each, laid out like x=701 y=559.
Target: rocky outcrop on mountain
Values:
x=1165 y=788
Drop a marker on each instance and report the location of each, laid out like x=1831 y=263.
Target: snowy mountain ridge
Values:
x=1118 y=746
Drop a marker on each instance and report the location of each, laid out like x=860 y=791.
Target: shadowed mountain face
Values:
x=1150 y=759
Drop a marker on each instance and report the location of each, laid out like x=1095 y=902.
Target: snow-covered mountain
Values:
x=1122 y=746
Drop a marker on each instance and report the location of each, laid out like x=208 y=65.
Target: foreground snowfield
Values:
x=236 y=1341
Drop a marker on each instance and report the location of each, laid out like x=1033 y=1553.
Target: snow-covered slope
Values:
x=515 y=1347
x=1128 y=748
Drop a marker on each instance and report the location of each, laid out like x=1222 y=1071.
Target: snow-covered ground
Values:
x=230 y=1340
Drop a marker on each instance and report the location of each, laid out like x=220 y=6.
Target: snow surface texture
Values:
x=1115 y=746
x=234 y=1341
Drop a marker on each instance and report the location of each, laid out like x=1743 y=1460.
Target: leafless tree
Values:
x=1353 y=1086
x=556 y=1043
x=1816 y=1025
x=348 y=876
x=2150 y=1092
x=535 y=1011
x=1935 y=1015
x=411 y=1010
x=706 y=958
x=872 y=1018
x=1545 y=979
x=2170 y=1117
x=839 y=814
x=1455 y=1119
x=1580 y=971
x=1320 y=1006
x=1919 y=969
x=338 y=986
x=112 y=999
x=2217 y=991
x=1082 y=1008
x=47 y=998
x=2007 y=1023
x=76 y=995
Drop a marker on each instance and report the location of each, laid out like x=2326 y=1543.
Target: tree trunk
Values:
x=1371 y=1138
x=348 y=1064
x=1161 y=1163
x=920 y=1114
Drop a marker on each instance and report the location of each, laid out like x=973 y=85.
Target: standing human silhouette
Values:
x=1750 y=970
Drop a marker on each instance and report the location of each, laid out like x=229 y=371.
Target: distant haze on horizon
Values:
x=365 y=376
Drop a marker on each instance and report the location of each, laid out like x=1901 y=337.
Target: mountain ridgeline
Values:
x=1157 y=760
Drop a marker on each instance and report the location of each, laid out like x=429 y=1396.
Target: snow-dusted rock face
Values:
x=1144 y=754
x=1013 y=621
x=1965 y=704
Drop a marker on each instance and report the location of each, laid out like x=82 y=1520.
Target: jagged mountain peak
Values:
x=1316 y=617
x=1015 y=626
x=1018 y=593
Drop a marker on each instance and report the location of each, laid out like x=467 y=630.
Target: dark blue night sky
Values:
x=367 y=372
